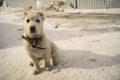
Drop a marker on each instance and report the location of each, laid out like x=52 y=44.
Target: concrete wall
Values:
x=26 y=3
x=94 y=4
x=81 y=4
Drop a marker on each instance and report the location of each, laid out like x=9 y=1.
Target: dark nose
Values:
x=32 y=29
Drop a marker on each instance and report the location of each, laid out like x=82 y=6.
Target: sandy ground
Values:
x=89 y=48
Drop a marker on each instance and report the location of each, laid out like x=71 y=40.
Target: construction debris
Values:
x=59 y=5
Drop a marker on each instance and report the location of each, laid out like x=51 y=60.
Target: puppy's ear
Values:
x=26 y=10
x=24 y=14
x=42 y=15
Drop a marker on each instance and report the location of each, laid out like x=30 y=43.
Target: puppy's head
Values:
x=33 y=20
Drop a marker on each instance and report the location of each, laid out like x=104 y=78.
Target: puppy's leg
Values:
x=48 y=66
x=55 y=61
x=31 y=63
x=36 y=69
x=54 y=53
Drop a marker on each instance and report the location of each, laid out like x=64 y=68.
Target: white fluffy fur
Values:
x=34 y=53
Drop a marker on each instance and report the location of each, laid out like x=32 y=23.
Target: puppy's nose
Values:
x=32 y=29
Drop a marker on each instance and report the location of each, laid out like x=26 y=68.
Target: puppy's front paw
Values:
x=49 y=68
x=36 y=71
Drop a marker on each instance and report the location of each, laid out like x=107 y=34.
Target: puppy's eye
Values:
x=27 y=20
x=37 y=20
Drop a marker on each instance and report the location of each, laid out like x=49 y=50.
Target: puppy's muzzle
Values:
x=32 y=29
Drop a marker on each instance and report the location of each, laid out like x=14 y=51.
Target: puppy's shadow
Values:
x=85 y=59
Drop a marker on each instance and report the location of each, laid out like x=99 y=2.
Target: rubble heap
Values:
x=59 y=5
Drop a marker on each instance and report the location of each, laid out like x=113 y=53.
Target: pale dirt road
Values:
x=89 y=49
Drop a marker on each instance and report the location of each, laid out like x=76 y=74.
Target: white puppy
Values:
x=36 y=42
